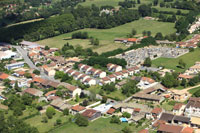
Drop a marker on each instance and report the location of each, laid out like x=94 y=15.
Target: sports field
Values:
x=106 y=36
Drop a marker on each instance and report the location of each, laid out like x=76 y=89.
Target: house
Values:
x=76 y=75
x=14 y=65
x=106 y=80
x=195 y=69
x=156 y=112
x=195 y=122
x=50 y=94
x=145 y=82
x=187 y=130
x=110 y=111
x=120 y=84
x=83 y=77
x=49 y=71
x=77 y=109
x=91 y=114
x=164 y=128
x=181 y=120
x=89 y=81
x=3 y=76
x=178 y=95
x=178 y=109
x=167 y=117
x=34 y=92
x=112 y=78
x=114 y=68
x=183 y=76
x=60 y=104
x=72 y=90
x=192 y=108
x=118 y=75
x=125 y=73
x=100 y=74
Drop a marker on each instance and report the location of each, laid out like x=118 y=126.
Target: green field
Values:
x=192 y=91
x=44 y=127
x=101 y=125
x=172 y=63
x=106 y=36
x=100 y=3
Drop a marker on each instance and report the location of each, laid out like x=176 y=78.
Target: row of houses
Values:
x=191 y=43
x=129 y=40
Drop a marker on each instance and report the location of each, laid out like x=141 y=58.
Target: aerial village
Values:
x=35 y=70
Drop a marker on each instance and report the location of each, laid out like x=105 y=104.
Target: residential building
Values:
x=178 y=109
x=114 y=68
x=91 y=114
x=14 y=65
x=34 y=92
x=192 y=108
x=77 y=109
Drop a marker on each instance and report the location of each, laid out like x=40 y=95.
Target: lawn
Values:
x=192 y=91
x=44 y=127
x=106 y=36
x=172 y=63
x=101 y=125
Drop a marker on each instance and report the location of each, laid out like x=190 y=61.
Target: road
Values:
x=24 y=53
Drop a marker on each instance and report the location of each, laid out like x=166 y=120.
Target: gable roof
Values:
x=78 y=108
x=156 y=110
x=193 y=102
x=166 y=117
x=89 y=113
x=177 y=106
x=50 y=92
x=187 y=130
x=170 y=128
x=3 y=76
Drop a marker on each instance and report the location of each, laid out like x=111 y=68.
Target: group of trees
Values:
x=147 y=62
x=170 y=80
x=127 y=3
x=130 y=88
x=76 y=18
x=70 y=51
x=63 y=76
x=80 y=35
x=11 y=124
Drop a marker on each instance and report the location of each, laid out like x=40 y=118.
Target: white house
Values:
x=112 y=78
x=114 y=67
x=100 y=74
x=106 y=80
x=7 y=54
x=89 y=81
x=125 y=73
x=14 y=65
x=178 y=109
x=49 y=71
x=118 y=75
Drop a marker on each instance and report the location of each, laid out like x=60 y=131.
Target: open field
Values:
x=193 y=90
x=106 y=36
x=101 y=125
x=189 y=58
x=100 y=3
x=44 y=127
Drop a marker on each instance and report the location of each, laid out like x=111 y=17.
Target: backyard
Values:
x=172 y=63
x=106 y=36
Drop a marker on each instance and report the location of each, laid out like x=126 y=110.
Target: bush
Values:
x=66 y=112
x=58 y=121
x=115 y=119
x=50 y=112
x=127 y=115
x=81 y=121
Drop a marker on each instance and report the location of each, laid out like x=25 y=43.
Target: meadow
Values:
x=172 y=63
x=106 y=36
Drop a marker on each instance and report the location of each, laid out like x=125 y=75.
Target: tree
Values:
x=183 y=82
x=144 y=33
x=58 y=121
x=159 y=36
x=50 y=112
x=66 y=111
x=81 y=120
x=37 y=72
x=77 y=98
x=127 y=115
x=46 y=48
x=148 y=33
x=182 y=64
x=130 y=88
x=168 y=80
x=144 y=10
x=138 y=1
x=126 y=130
x=115 y=119
x=16 y=87
x=147 y=62
x=133 y=32
x=155 y=2
x=104 y=99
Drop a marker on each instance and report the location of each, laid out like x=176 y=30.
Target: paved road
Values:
x=31 y=65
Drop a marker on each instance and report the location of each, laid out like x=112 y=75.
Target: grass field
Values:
x=192 y=91
x=44 y=127
x=189 y=58
x=101 y=125
x=106 y=36
x=100 y=3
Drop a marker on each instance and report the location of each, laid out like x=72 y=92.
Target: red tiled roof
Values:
x=170 y=128
x=50 y=92
x=111 y=111
x=158 y=123
x=132 y=39
x=185 y=76
x=144 y=131
x=89 y=113
x=156 y=110
x=3 y=76
x=78 y=108
x=177 y=106
x=137 y=109
x=188 y=130
x=31 y=91
x=105 y=79
x=148 y=79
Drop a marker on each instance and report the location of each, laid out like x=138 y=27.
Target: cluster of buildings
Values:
x=194 y=26
x=191 y=43
x=129 y=40
x=137 y=57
